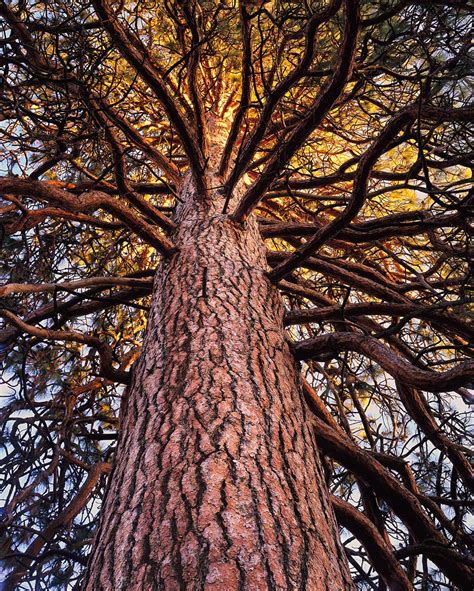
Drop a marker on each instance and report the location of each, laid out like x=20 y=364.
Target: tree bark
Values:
x=217 y=483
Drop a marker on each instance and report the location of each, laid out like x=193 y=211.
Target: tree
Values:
x=234 y=234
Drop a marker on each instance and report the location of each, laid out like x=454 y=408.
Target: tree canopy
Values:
x=344 y=127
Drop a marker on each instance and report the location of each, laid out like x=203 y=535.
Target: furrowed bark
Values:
x=217 y=482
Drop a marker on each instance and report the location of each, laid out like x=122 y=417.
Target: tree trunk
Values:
x=217 y=483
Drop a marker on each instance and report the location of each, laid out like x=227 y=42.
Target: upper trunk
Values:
x=217 y=482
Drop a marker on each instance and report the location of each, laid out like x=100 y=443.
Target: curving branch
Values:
x=45 y=191
x=403 y=502
x=349 y=274
x=135 y=54
x=77 y=306
x=450 y=323
x=359 y=191
x=380 y=553
x=105 y=352
x=125 y=188
x=137 y=139
x=257 y=134
x=418 y=408
x=390 y=226
x=10 y=288
x=406 y=373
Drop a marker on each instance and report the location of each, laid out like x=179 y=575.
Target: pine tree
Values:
x=236 y=295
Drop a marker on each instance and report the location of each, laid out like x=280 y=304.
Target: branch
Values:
x=93 y=200
x=65 y=517
x=284 y=151
x=252 y=144
x=109 y=189
x=132 y=50
x=106 y=368
x=403 y=224
x=24 y=35
x=9 y=288
x=170 y=170
x=194 y=61
x=74 y=307
x=336 y=312
x=125 y=189
x=319 y=409
x=378 y=287
x=405 y=372
x=32 y=218
x=404 y=503
x=359 y=192
x=380 y=554
x=419 y=410
x=246 y=68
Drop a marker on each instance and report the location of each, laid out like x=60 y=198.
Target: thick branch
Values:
x=245 y=89
x=134 y=136
x=418 y=409
x=403 y=224
x=45 y=191
x=106 y=368
x=133 y=52
x=252 y=144
x=405 y=372
x=403 y=502
x=449 y=322
x=358 y=196
x=9 y=288
x=380 y=554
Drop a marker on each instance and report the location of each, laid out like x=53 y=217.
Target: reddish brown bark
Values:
x=217 y=482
